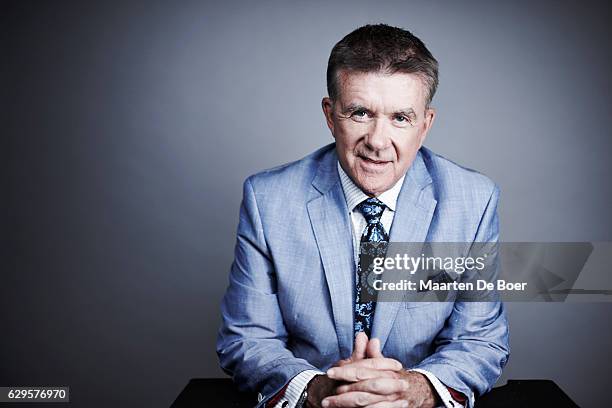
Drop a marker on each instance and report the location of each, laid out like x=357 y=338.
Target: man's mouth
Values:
x=373 y=161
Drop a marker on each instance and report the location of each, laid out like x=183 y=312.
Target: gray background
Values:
x=129 y=128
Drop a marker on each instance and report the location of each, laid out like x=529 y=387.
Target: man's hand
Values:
x=322 y=386
x=377 y=382
x=401 y=389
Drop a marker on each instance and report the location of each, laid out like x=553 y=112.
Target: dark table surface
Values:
x=221 y=392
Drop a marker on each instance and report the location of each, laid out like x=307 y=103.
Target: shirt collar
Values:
x=354 y=195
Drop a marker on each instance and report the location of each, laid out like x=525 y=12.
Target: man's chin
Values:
x=373 y=189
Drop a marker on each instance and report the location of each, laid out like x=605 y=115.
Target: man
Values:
x=295 y=326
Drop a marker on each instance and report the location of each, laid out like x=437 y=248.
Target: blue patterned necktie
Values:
x=372 y=210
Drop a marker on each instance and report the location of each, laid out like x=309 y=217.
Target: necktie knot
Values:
x=372 y=209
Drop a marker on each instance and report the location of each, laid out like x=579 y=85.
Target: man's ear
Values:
x=430 y=115
x=328 y=110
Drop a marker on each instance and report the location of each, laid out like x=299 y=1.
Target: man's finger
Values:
x=379 y=363
x=343 y=362
x=353 y=373
x=390 y=404
x=359 y=351
x=352 y=399
x=383 y=386
x=373 y=349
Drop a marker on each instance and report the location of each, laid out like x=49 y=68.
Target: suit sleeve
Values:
x=252 y=339
x=472 y=348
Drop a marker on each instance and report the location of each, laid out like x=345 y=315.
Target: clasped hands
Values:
x=369 y=379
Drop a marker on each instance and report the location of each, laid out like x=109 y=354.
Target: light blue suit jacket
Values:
x=289 y=304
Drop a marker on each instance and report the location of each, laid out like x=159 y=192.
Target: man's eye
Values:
x=360 y=114
x=403 y=120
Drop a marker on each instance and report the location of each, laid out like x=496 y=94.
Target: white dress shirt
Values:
x=353 y=196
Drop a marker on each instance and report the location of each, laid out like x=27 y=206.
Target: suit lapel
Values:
x=414 y=211
x=330 y=221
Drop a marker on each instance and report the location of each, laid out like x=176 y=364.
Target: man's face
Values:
x=379 y=122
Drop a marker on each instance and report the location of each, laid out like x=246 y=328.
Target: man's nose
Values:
x=377 y=137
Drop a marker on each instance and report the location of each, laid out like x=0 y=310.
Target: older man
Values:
x=295 y=325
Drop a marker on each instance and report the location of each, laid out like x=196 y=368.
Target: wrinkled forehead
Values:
x=382 y=90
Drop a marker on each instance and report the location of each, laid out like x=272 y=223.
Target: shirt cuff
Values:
x=445 y=395
x=295 y=388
